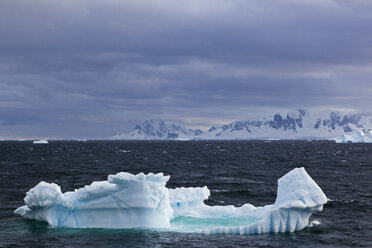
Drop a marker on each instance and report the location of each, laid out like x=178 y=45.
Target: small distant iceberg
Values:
x=40 y=142
x=357 y=137
x=132 y=201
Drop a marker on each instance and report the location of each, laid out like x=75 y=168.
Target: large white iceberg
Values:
x=123 y=201
x=356 y=137
x=129 y=201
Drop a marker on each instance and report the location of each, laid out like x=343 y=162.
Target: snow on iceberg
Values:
x=357 y=137
x=128 y=201
x=40 y=142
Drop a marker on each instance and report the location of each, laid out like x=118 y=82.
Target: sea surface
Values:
x=236 y=172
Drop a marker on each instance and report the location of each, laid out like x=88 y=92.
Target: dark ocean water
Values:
x=236 y=172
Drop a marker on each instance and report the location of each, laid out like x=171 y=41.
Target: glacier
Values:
x=356 y=137
x=144 y=201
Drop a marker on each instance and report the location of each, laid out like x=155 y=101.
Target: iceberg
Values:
x=357 y=137
x=132 y=201
x=40 y=142
x=123 y=201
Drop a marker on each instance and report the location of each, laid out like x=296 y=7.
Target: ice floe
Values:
x=40 y=142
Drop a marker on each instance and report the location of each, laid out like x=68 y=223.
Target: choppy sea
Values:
x=236 y=172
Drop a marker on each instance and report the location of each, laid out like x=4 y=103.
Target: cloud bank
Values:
x=89 y=68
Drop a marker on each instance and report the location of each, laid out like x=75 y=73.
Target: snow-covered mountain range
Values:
x=301 y=124
x=156 y=129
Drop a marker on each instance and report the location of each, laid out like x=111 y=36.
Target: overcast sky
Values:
x=88 y=68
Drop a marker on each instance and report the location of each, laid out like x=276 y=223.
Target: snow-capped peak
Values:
x=156 y=129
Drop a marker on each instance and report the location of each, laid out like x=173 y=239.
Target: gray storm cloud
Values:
x=89 y=68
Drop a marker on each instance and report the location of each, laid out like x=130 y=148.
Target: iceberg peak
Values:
x=295 y=187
